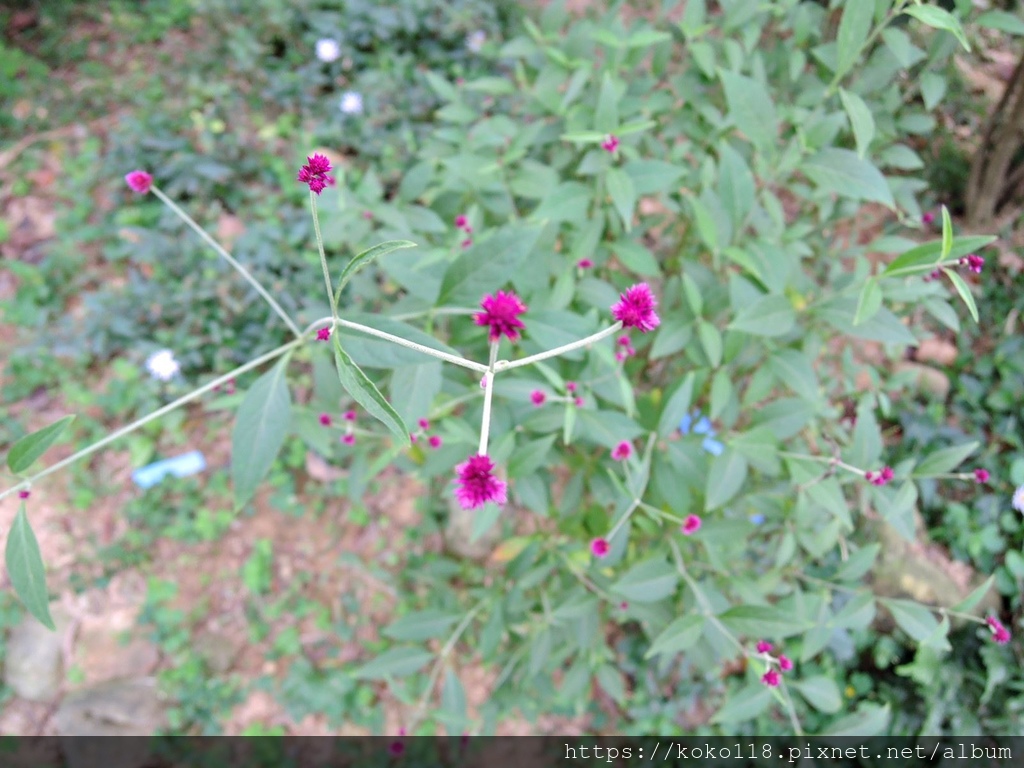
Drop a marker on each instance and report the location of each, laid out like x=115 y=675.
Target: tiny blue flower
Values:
x=702 y=427
x=757 y=518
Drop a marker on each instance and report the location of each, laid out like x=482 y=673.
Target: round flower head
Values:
x=599 y=547
x=622 y=451
x=476 y=484
x=475 y=41
x=435 y=441
x=691 y=525
x=584 y=263
x=424 y=424
x=973 y=263
x=315 y=173
x=466 y=243
x=348 y=439
x=635 y=308
x=461 y=221
x=323 y=334
x=610 y=143
x=351 y=103
x=501 y=313
x=350 y=415
x=1000 y=634
x=162 y=365
x=770 y=678
x=763 y=646
x=325 y=419
x=981 y=475
x=578 y=401
x=23 y=494
x=328 y=50
x=1018 y=500
x=928 y=218
x=139 y=181
x=537 y=397
x=785 y=664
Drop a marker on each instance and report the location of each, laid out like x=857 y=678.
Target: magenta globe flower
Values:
x=501 y=313
x=139 y=181
x=476 y=484
x=314 y=173
x=635 y=308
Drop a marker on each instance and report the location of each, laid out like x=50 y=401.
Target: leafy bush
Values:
x=733 y=161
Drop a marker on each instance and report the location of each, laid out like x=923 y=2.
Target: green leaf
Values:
x=945 y=460
x=762 y=621
x=364 y=258
x=725 y=478
x=925 y=257
x=1002 y=21
x=861 y=121
x=711 y=340
x=648 y=581
x=913 y=618
x=705 y=223
x=933 y=88
x=606 y=116
x=821 y=692
x=29 y=448
x=25 y=569
x=870 y=301
x=751 y=109
x=421 y=625
x=843 y=173
x=976 y=596
x=744 y=705
x=857 y=564
x=854 y=27
x=488 y=265
x=677 y=636
x=261 y=425
x=364 y=392
x=620 y=188
x=964 y=290
x=768 y=316
x=868 y=720
x=678 y=405
x=735 y=184
x=939 y=18
x=453 y=699
x=394 y=662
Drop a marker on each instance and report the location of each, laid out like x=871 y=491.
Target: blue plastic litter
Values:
x=180 y=466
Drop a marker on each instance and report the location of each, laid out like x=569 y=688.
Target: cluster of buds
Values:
x=610 y=143
x=1000 y=634
x=434 y=441
x=462 y=222
x=881 y=477
x=626 y=351
x=771 y=677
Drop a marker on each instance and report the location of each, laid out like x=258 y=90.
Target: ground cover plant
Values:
x=639 y=353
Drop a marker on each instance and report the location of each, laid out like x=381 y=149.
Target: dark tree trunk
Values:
x=996 y=181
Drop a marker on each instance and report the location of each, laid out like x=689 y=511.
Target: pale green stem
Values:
x=323 y=256
x=229 y=258
x=485 y=426
x=435 y=312
x=628 y=514
x=449 y=646
x=824 y=460
x=709 y=614
x=505 y=365
x=155 y=415
x=413 y=345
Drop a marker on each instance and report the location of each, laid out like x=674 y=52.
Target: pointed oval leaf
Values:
x=364 y=258
x=945 y=460
x=394 y=662
x=861 y=121
x=488 y=265
x=365 y=393
x=964 y=290
x=647 y=582
x=751 y=109
x=31 y=447
x=725 y=478
x=26 y=570
x=763 y=621
x=262 y=422
x=842 y=172
x=868 y=720
x=677 y=636
x=870 y=301
x=421 y=625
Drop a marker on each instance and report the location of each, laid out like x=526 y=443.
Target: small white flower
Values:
x=351 y=103
x=162 y=365
x=328 y=50
x=475 y=40
x=1018 y=500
